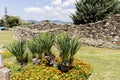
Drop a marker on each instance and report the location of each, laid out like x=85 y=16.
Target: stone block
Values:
x=5 y=73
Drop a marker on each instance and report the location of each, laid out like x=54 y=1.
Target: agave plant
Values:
x=39 y=51
x=32 y=46
x=36 y=50
x=47 y=40
x=18 y=48
x=67 y=47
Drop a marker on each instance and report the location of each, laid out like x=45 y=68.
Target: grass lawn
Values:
x=106 y=62
x=6 y=37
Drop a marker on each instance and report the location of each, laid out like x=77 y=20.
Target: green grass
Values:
x=6 y=54
x=6 y=37
x=106 y=62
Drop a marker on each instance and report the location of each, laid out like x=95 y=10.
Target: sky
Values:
x=39 y=9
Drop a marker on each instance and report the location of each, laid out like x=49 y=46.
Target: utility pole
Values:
x=5 y=18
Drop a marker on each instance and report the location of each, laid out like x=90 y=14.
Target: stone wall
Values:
x=104 y=33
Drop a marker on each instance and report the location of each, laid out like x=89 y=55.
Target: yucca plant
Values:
x=67 y=47
x=18 y=48
x=39 y=51
x=36 y=50
x=46 y=40
x=32 y=46
x=74 y=47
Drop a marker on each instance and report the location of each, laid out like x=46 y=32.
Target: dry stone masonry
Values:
x=104 y=33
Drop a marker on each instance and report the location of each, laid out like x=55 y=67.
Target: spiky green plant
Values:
x=46 y=40
x=68 y=48
x=74 y=47
x=32 y=47
x=88 y=11
x=39 y=51
x=18 y=48
x=63 y=44
x=36 y=49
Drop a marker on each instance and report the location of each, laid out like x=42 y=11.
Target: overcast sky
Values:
x=39 y=9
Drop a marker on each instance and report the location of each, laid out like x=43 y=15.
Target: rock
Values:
x=107 y=30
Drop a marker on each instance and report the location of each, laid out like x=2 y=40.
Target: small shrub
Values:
x=68 y=48
x=36 y=49
x=18 y=48
x=46 y=40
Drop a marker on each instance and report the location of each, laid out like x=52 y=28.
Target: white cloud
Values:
x=35 y=10
x=68 y=3
x=56 y=2
x=55 y=11
x=64 y=3
x=48 y=8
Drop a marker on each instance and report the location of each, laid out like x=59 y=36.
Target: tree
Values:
x=13 y=21
x=45 y=21
x=1 y=23
x=88 y=11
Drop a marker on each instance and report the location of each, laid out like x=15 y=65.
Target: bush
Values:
x=88 y=11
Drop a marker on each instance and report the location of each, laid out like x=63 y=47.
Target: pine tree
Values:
x=88 y=11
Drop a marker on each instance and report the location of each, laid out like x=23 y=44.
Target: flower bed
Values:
x=80 y=71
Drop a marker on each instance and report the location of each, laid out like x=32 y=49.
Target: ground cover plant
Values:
x=80 y=71
x=6 y=54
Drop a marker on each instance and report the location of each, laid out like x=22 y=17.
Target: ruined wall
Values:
x=104 y=33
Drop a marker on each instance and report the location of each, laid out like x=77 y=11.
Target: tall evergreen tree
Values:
x=88 y=11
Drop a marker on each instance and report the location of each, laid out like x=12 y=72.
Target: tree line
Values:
x=10 y=21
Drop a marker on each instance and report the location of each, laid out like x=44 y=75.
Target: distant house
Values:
x=2 y=28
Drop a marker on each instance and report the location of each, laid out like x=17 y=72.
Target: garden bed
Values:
x=80 y=71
